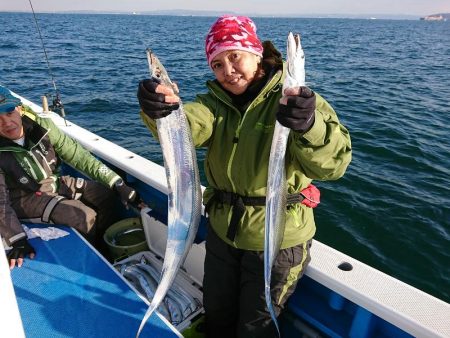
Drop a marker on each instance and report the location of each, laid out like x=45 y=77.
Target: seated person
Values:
x=32 y=188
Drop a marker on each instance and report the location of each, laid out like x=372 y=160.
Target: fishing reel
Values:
x=57 y=105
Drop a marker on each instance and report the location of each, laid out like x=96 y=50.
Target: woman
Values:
x=235 y=120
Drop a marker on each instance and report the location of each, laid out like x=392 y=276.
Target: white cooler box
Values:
x=189 y=277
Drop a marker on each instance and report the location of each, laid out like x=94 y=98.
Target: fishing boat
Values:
x=70 y=290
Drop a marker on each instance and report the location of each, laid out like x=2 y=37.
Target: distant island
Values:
x=211 y=13
x=437 y=17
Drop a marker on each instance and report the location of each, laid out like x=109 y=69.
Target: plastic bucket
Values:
x=125 y=238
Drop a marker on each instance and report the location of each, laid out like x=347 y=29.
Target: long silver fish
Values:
x=173 y=298
x=143 y=285
x=149 y=282
x=276 y=184
x=183 y=181
x=189 y=303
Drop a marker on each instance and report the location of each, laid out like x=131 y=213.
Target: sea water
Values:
x=388 y=80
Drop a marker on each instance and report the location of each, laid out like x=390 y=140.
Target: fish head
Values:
x=295 y=61
x=158 y=71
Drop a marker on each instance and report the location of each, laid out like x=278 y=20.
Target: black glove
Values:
x=126 y=194
x=298 y=113
x=21 y=249
x=152 y=104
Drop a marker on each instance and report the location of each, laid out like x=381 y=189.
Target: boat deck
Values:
x=69 y=290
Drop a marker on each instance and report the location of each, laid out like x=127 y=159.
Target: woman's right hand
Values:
x=156 y=100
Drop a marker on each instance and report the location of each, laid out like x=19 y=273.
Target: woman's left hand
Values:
x=297 y=108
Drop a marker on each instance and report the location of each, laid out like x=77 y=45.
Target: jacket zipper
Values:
x=238 y=129
x=236 y=137
x=44 y=160
x=39 y=166
x=30 y=167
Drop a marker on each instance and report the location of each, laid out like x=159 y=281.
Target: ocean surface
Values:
x=389 y=81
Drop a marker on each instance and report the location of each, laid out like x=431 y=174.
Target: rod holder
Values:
x=44 y=104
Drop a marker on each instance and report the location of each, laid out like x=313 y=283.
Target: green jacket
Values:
x=238 y=148
x=35 y=167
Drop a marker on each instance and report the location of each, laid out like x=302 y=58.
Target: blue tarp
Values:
x=68 y=290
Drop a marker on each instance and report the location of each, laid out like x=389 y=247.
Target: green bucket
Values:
x=125 y=238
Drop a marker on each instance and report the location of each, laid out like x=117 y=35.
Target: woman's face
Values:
x=235 y=69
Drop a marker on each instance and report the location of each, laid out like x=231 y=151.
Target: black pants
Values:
x=91 y=214
x=233 y=288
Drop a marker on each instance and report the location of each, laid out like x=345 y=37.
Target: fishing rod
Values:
x=57 y=104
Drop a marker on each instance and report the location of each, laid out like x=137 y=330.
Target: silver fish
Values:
x=187 y=303
x=176 y=308
x=276 y=184
x=133 y=278
x=153 y=283
x=194 y=303
x=175 y=294
x=176 y=313
x=144 y=285
x=183 y=181
x=181 y=301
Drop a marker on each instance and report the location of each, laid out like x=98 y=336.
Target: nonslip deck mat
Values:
x=69 y=291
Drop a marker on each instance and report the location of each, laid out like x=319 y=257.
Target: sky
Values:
x=263 y=7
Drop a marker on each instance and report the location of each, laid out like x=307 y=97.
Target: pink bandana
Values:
x=230 y=33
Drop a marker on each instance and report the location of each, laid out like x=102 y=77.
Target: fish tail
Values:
x=152 y=307
x=271 y=310
x=147 y=315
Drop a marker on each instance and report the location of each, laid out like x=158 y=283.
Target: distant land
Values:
x=437 y=17
x=183 y=12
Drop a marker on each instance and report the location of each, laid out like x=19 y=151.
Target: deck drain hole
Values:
x=345 y=266
x=130 y=157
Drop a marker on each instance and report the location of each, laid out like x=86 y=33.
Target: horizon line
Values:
x=211 y=13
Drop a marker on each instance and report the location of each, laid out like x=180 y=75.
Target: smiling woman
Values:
x=234 y=53
x=235 y=70
x=244 y=96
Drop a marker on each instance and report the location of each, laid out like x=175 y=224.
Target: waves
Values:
x=387 y=80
